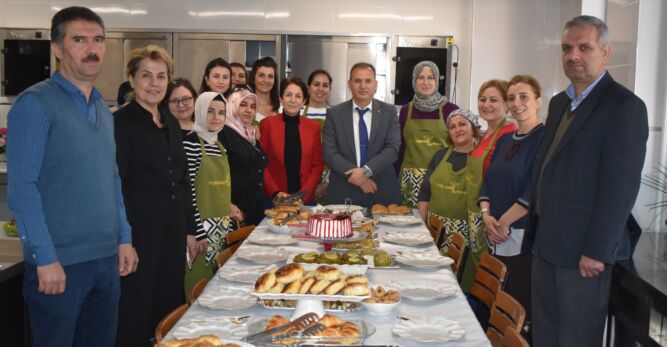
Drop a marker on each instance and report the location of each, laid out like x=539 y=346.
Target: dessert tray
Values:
x=424 y=290
x=262 y=255
x=343 y=208
x=359 y=269
x=329 y=306
x=308 y=336
x=423 y=259
x=400 y=220
x=199 y=326
x=407 y=238
x=431 y=329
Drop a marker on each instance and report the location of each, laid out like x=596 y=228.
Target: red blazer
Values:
x=272 y=141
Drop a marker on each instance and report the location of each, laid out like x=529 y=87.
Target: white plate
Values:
x=424 y=260
x=284 y=229
x=227 y=301
x=344 y=208
x=407 y=238
x=400 y=220
x=241 y=273
x=271 y=239
x=423 y=290
x=199 y=326
x=262 y=255
x=432 y=329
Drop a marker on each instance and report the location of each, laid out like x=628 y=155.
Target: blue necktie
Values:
x=363 y=138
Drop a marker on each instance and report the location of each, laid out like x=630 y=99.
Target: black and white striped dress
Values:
x=215 y=229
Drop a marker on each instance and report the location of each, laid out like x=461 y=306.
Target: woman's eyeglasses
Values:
x=186 y=101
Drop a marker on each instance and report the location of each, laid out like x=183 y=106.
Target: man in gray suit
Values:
x=587 y=177
x=361 y=138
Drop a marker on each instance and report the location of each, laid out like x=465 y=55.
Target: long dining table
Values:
x=454 y=308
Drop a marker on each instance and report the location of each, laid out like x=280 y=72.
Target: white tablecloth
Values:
x=454 y=308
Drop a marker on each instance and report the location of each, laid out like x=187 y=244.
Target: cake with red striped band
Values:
x=330 y=226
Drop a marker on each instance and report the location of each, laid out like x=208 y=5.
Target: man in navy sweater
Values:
x=64 y=190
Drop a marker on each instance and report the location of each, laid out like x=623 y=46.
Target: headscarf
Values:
x=469 y=115
x=233 y=118
x=427 y=103
x=201 y=112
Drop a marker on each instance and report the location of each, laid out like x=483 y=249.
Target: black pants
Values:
x=156 y=288
x=518 y=282
x=568 y=310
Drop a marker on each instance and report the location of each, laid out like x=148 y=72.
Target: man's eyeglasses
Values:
x=186 y=101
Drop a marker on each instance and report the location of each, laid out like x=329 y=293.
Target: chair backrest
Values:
x=507 y=313
x=457 y=251
x=197 y=289
x=512 y=338
x=434 y=226
x=168 y=322
x=223 y=256
x=488 y=280
x=239 y=235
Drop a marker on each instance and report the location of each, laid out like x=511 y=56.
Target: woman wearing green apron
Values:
x=211 y=188
x=451 y=186
x=423 y=128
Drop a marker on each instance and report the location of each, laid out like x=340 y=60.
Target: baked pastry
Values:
x=277 y=288
x=289 y=273
x=201 y=341
x=403 y=210
x=305 y=286
x=293 y=288
x=356 y=289
x=330 y=226
x=265 y=282
x=379 y=209
x=357 y=279
x=329 y=332
x=319 y=286
x=327 y=272
x=334 y=287
x=329 y=320
x=275 y=321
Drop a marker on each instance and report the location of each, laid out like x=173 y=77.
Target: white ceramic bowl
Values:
x=380 y=309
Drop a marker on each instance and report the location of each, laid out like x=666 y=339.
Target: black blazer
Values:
x=590 y=184
x=152 y=167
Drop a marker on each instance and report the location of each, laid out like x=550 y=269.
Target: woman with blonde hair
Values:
x=158 y=200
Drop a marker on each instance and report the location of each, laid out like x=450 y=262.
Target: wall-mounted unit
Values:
x=25 y=59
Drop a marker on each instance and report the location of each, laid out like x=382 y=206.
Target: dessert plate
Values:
x=227 y=300
x=262 y=255
x=241 y=273
x=407 y=238
x=424 y=260
x=431 y=329
x=424 y=290
x=344 y=208
x=399 y=220
x=198 y=327
x=271 y=239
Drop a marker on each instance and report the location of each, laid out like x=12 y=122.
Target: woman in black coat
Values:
x=246 y=158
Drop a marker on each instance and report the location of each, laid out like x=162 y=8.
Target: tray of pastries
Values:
x=326 y=282
x=204 y=341
x=349 y=262
x=329 y=306
x=327 y=330
x=392 y=209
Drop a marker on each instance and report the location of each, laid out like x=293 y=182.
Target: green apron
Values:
x=477 y=240
x=422 y=139
x=324 y=178
x=213 y=195
x=454 y=201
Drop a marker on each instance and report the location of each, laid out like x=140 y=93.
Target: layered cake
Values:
x=330 y=226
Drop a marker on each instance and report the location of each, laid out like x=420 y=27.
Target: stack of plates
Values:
x=424 y=290
x=424 y=259
x=262 y=255
x=407 y=238
x=227 y=300
x=431 y=329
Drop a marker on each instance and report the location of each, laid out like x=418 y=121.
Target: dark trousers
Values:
x=85 y=314
x=518 y=282
x=568 y=310
x=156 y=288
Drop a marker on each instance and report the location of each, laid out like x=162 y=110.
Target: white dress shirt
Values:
x=368 y=117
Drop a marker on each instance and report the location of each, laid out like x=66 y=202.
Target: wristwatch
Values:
x=484 y=210
x=367 y=171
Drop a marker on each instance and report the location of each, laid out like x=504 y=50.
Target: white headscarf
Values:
x=234 y=121
x=201 y=112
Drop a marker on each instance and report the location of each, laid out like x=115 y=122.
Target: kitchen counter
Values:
x=11 y=256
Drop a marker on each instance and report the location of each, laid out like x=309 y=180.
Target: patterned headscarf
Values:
x=234 y=121
x=201 y=112
x=469 y=115
x=427 y=103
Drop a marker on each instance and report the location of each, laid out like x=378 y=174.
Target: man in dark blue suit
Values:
x=586 y=182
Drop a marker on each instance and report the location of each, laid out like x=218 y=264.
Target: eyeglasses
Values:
x=186 y=101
